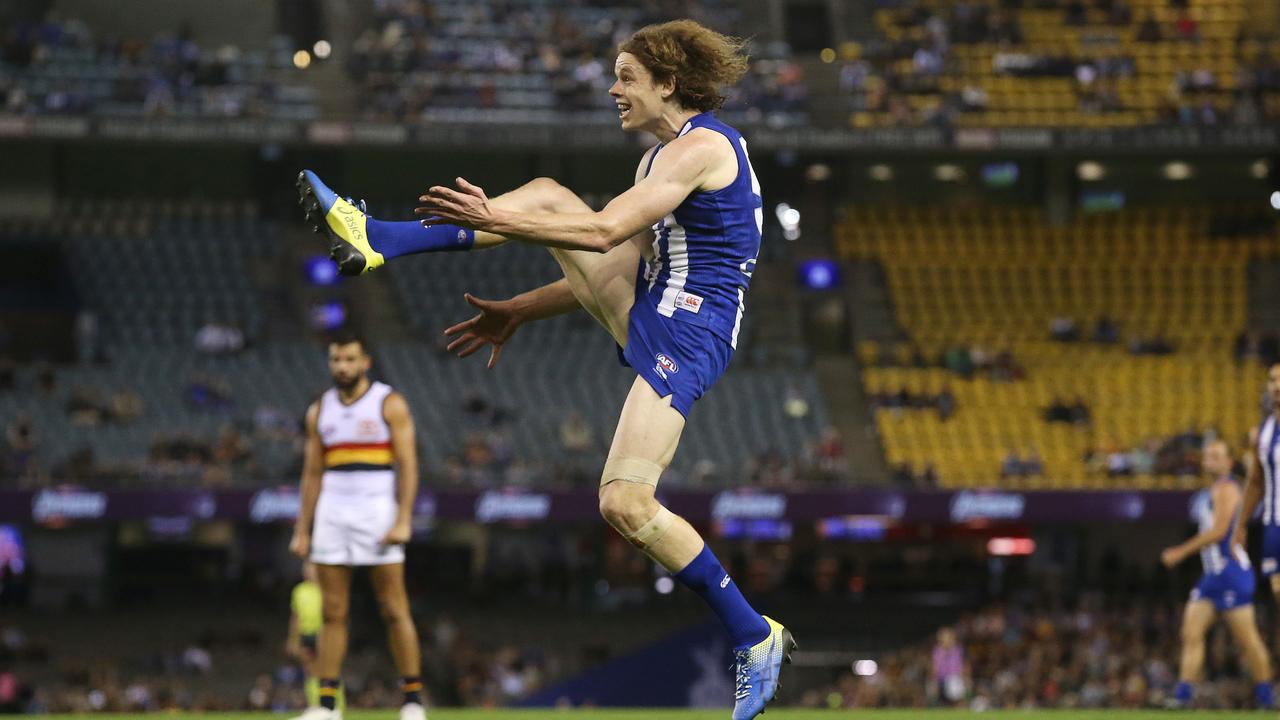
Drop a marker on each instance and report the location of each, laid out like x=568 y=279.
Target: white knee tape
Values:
x=652 y=531
x=634 y=470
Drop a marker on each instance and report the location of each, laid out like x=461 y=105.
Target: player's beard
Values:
x=347 y=384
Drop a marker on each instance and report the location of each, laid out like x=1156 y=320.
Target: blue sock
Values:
x=1183 y=692
x=706 y=576
x=394 y=239
x=1262 y=694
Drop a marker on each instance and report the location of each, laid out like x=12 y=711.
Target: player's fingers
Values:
x=437 y=194
x=493 y=355
x=473 y=347
x=476 y=302
x=469 y=188
x=464 y=325
x=460 y=341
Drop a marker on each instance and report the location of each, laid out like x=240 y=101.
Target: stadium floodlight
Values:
x=322 y=48
x=1091 y=171
x=664 y=585
x=865 y=668
x=1275 y=200
x=1176 y=170
x=302 y=59
x=880 y=172
x=789 y=219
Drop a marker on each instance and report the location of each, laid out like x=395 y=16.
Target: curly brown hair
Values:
x=699 y=59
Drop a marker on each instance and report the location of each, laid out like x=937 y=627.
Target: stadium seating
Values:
x=1035 y=67
x=997 y=278
x=61 y=68
x=153 y=273
x=463 y=62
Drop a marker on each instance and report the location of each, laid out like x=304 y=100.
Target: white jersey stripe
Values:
x=737 y=322
x=1267 y=438
x=677 y=266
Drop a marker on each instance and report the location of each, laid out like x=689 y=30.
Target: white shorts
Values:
x=353 y=514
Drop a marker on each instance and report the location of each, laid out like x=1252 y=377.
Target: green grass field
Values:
x=780 y=714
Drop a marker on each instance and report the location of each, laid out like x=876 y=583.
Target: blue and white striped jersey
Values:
x=1269 y=458
x=704 y=251
x=1216 y=556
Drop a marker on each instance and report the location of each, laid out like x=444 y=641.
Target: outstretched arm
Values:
x=683 y=166
x=498 y=319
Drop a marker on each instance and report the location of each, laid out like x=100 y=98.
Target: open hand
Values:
x=495 y=323
x=467 y=206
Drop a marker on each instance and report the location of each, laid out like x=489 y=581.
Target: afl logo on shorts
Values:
x=667 y=363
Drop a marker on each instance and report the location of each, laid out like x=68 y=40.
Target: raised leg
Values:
x=604 y=283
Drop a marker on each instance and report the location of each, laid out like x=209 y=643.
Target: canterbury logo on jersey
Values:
x=365 y=455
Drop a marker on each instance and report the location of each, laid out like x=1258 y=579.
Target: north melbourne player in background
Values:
x=359 y=480
x=664 y=267
x=1227 y=584
x=1261 y=484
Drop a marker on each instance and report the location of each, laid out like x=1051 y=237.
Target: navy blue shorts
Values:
x=1229 y=589
x=1270 y=550
x=676 y=358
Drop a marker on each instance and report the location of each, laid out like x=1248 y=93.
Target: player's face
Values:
x=639 y=100
x=1217 y=460
x=347 y=364
x=1273 y=384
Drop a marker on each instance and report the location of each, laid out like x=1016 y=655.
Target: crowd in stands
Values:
x=486 y=458
x=1041 y=657
x=916 y=57
x=1177 y=455
x=61 y=66
x=965 y=361
x=418 y=55
x=458 y=670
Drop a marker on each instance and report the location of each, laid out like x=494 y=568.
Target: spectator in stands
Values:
x=1106 y=331
x=1149 y=30
x=1075 y=14
x=126 y=406
x=947 y=670
x=1064 y=329
x=928 y=478
x=576 y=435
x=215 y=338
x=946 y=404
x=1187 y=27
x=85 y=406
x=1011 y=466
x=209 y=393
x=46 y=381
x=21 y=442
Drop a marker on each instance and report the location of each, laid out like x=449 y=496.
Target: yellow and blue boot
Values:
x=343 y=220
x=756 y=671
